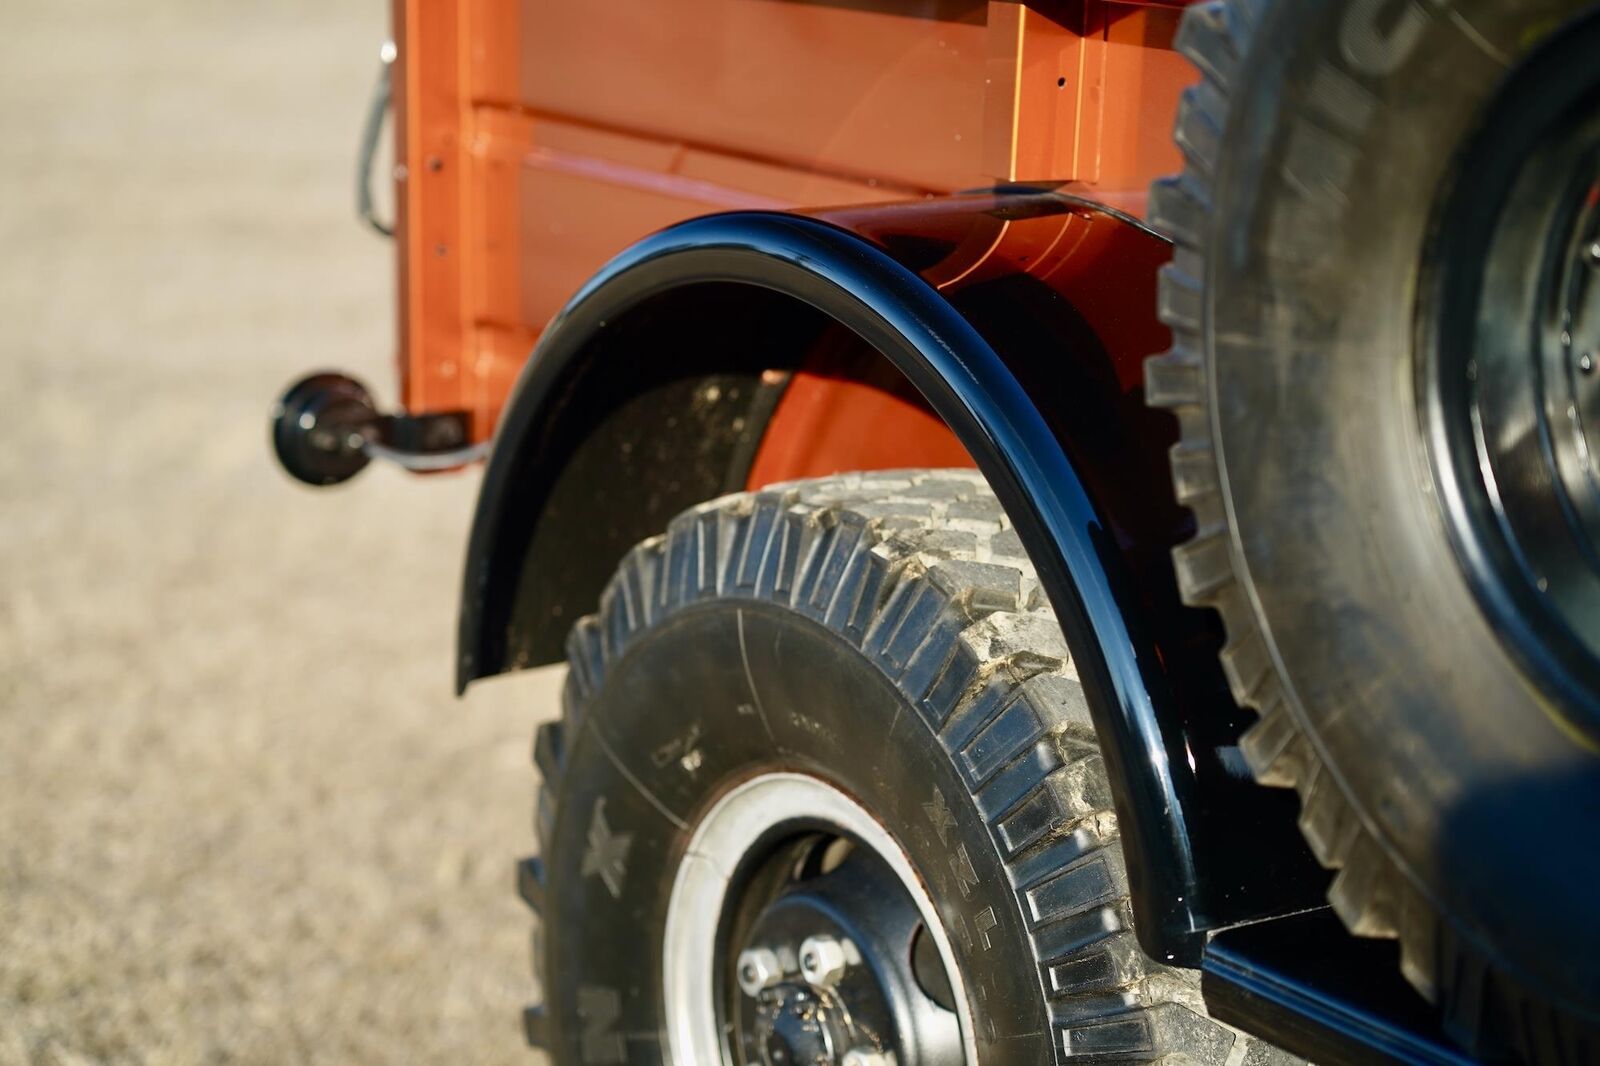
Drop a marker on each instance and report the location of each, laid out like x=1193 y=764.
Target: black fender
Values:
x=1006 y=311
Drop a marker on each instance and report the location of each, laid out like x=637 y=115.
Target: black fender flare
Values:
x=1161 y=793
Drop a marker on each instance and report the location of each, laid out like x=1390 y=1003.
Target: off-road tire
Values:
x=886 y=632
x=1316 y=157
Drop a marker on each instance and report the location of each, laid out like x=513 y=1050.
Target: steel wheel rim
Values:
x=738 y=822
x=1510 y=375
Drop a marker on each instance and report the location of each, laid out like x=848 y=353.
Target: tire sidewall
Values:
x=785 y=694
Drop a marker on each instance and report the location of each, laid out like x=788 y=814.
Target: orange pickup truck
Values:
x=870 y=391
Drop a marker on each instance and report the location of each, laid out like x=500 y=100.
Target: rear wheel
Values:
x=825 y=790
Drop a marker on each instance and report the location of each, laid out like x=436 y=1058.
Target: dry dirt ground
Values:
x=242 y=819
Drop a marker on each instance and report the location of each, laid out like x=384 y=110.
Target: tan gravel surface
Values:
x=242 y=819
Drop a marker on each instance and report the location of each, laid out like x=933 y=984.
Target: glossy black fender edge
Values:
x=856 y=282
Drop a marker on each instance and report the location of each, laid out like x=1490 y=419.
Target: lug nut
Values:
x=824 y=959
x=868 y=1057
x=758 y=969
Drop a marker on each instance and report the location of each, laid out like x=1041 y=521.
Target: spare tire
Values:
x=1385 y=302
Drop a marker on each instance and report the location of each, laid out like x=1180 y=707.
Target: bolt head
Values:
x=824 y=959
x=758 y=968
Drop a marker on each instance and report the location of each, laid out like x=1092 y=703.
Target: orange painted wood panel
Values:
x=857 y=89
x=537 y=139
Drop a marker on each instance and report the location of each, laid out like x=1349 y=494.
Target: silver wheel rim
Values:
x=727 y=832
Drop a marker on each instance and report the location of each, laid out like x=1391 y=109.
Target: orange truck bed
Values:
x=535 y=140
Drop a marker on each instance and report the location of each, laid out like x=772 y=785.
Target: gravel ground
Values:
x=242 y=819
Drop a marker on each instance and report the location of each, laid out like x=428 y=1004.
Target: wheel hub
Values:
x=817 y=939
x=828 y=969
x=793 y=1025
x=1512 y=386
